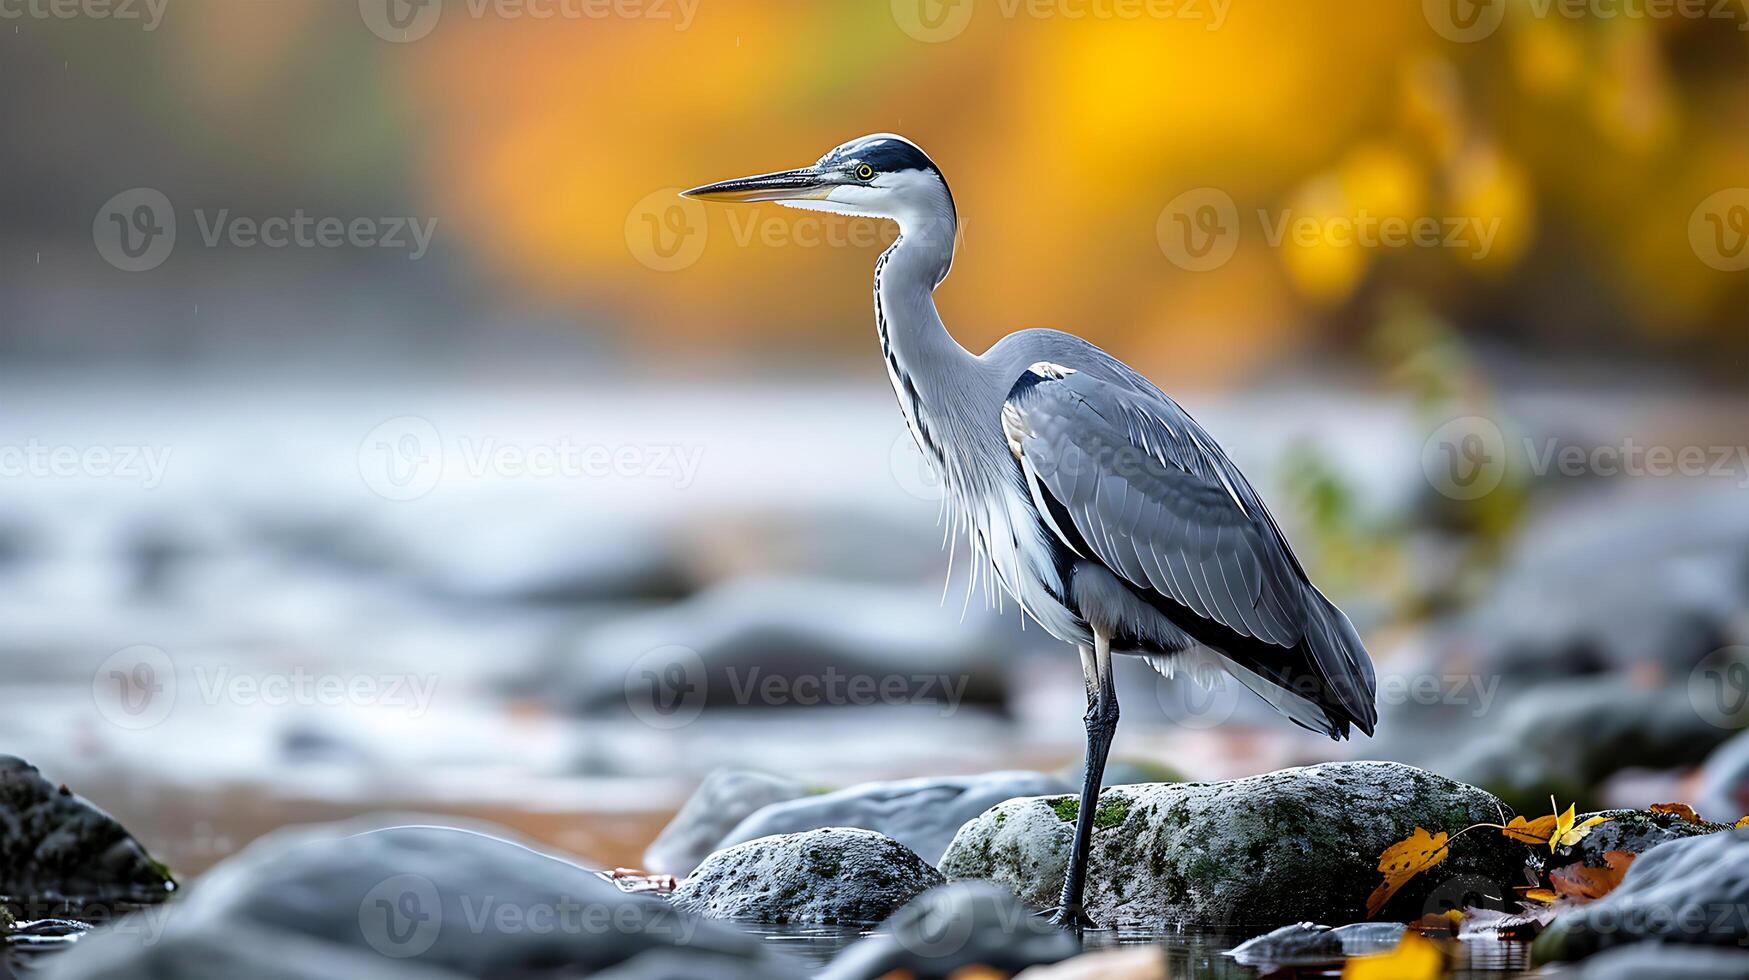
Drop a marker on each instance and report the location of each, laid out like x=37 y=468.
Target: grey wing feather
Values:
x=1158 y=503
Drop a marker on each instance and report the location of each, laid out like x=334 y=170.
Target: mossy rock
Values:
x=1631 y=831
x=62 y=857
x=1289 y=846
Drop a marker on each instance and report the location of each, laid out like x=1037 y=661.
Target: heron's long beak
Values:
x=806 y=184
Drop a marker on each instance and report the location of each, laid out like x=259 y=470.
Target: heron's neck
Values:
x=923 y=359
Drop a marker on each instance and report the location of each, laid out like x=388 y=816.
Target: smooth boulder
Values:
x=923 y=814
x=1566 y=737
x=397 y=903
x=1643 y=960
x=835 y=876
x=1686 y=891
x=955 y=927
x=1295 y=845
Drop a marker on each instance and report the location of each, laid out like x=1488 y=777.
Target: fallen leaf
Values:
x=1404 y=860
x=1544 y=895
x=1583 y=884
x=1682 y=810
x=1538 y=831
x=1445 y=923
x=1742 y=822
x=1415 y=958
x=1578 y=833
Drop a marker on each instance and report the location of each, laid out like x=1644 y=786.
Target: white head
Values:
x=879 y=176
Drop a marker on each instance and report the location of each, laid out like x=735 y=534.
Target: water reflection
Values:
x=1188 y=953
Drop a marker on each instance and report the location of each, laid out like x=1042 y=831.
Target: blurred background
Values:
x=378 y=431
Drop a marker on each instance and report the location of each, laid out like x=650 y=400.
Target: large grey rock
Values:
x=1309 y=944
x=1616 y=585
x=1724 y=781
x=396 y=903
x=946 y=929
x=1632 y=832
x=1567 y=737
x=723 y=800
x=792 y=643
x=923 y=814
x=836 y=876
x=1686 y=891
x=1289 y=846
x=61 y=856
x=1643 y=960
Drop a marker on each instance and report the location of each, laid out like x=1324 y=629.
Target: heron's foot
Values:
x=1066 y=917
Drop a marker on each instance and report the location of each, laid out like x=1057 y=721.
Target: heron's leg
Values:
x=1101 y=721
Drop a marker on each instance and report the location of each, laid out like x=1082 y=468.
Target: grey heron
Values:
x=1111 y=517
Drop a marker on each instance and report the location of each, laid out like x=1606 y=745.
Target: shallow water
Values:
x=1188 y=953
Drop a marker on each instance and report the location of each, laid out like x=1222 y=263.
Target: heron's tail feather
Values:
x=1340 y=657
x=1325 y=683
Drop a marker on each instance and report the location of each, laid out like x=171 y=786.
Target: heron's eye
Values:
x=864 y=172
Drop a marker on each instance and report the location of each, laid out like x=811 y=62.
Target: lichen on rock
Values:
x=1283 y=847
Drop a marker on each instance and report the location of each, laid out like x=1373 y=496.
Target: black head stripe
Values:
x=884 y=153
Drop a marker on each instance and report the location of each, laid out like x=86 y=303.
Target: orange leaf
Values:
x=1404 y=860
x=1543 y=895
x=1415 y=958
x=1538 y=831
x=1584 y=884
x=1682 y=810
x=1741 y=822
